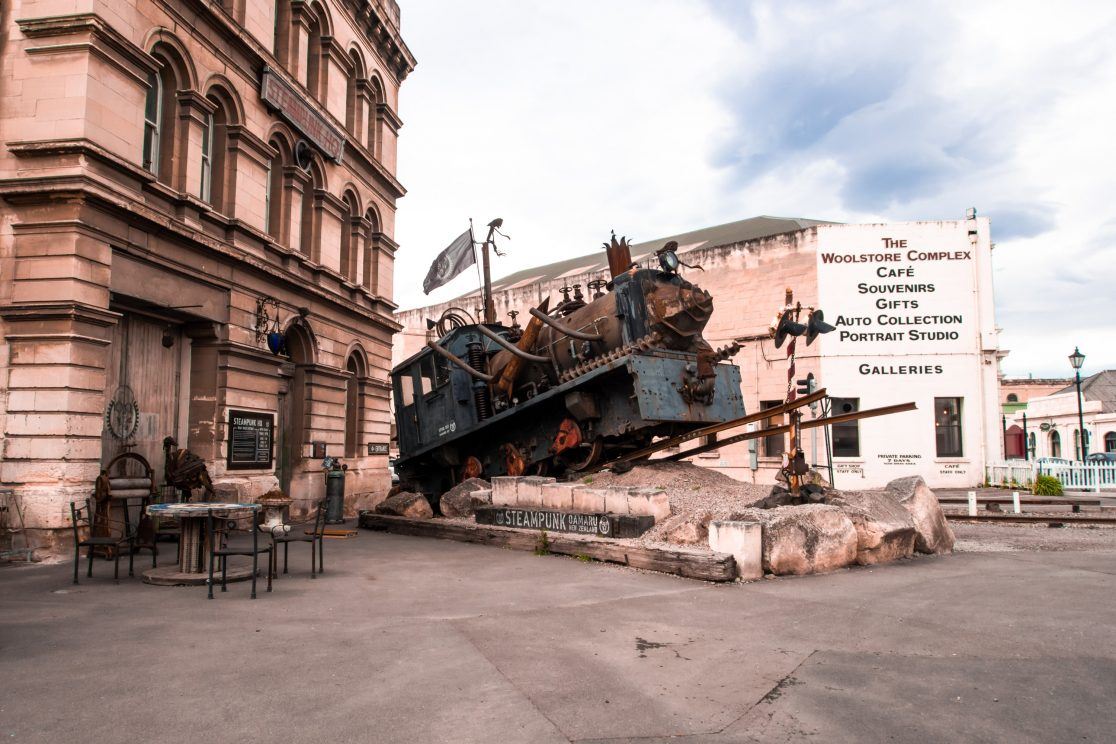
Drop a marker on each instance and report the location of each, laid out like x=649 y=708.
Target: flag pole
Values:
x=489 y=305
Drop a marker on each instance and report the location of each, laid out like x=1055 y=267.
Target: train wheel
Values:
x=583 y=457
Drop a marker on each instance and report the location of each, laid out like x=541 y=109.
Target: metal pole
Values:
x=1026 y=440
x=1003 y=429
x=828 y=452
x=489 y=306
x=1081 y=418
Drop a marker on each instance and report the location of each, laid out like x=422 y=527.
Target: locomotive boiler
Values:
x=580 y=383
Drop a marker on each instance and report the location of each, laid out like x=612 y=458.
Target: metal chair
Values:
x=98 y=536
x=223 y=552
x=315 y=538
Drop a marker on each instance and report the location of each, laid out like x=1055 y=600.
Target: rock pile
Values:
x=463 y=499
x=406 y=504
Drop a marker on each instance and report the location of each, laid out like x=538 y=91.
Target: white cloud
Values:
x=652 y=117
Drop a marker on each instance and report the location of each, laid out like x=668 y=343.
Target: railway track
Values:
x=1030 y=518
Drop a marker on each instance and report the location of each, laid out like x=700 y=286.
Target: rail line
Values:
x=1029 y=518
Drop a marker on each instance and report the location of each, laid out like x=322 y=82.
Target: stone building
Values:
x=177 y=179
x=1051 y=424
x=912 y=302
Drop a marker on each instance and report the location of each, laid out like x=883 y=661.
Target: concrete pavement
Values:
x=416 y=640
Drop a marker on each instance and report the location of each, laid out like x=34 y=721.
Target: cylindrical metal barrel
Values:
x=335 y=495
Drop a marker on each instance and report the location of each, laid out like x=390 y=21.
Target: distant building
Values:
x=1016 y=391
x=912 y=302
x=1052 y=426
x=178 y=179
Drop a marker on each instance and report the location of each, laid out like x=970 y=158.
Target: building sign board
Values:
x=250 y=440
x=911 y=303
x=600 y=525
x=377 y=448
x=291 y=104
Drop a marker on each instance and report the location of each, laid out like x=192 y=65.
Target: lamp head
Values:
x=1076 y=359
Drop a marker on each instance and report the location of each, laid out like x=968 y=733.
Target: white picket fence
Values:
x=1074 y=477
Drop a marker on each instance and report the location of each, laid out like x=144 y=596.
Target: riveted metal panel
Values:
x=658 y=384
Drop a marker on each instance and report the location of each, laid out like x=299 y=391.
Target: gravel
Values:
x=998 y=538
x=691 y=489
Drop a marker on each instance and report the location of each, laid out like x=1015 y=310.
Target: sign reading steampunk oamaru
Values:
x=278 y=93
x=601 y=525
x=250 y=440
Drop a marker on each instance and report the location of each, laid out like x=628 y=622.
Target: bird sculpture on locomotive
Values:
x=589 y=380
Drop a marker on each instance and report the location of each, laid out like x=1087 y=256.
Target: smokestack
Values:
x=619 y=256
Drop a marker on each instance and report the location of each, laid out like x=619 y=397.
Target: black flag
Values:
x=450 y=262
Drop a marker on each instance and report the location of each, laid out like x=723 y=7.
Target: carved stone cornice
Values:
x=78 y=147
x=392 y=119
x=90 y=33
x=240 y=138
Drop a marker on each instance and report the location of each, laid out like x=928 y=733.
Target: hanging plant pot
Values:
x=276 y=343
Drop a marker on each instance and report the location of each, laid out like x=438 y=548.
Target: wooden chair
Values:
x=315 y=538
x=237 y=547
x=116 y=487
x=85 y=518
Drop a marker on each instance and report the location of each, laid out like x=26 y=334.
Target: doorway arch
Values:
x=292 y=401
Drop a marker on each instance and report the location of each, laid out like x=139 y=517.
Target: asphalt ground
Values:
x=418 y=640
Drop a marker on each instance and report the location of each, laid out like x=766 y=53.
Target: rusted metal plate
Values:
x=657 y=383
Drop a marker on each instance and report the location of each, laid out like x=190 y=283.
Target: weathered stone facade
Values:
x=151 y=200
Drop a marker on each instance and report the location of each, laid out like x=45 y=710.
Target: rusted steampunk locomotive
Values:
x=582 y=383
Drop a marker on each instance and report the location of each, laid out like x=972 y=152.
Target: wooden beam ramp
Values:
x=705 y=566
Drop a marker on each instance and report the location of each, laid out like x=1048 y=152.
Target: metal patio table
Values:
x=193 y=547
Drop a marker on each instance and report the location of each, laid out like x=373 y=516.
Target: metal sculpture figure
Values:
x=186 y=471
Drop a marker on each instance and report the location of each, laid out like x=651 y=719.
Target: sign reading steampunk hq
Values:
x=183 y=186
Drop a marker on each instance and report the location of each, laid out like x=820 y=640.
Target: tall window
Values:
x=1032 y=444
x=348 y=259
x=1110 y=441
x=273 y=214
x=314 y=59
x=846 y=436
x=206 y=190
x=1055 y=444
x=354 y=405
x=773 y=446
x=947 y=426
x=152 y=116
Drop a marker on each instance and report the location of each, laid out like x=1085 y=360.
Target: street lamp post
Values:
x=1077 y=359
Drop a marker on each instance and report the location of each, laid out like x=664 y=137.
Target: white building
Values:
x=913 y=306
x=1053 y=427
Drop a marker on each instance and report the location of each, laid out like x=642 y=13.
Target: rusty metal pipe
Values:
x=449 y=355
x=558 y=326
x=512 y=347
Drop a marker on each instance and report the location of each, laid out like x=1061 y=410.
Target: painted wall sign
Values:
x=601 y=525
x=291 y=104
x=250 y=440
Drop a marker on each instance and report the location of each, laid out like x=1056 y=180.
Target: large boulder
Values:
x=885 y=530
x=797 y=540
x=689 y=528
x=932 y=531
x=463 y=499
x=406 y=504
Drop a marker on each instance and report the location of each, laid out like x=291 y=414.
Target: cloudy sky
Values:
x=653 y=117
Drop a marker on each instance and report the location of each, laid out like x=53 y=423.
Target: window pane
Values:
x=947 y=425
x=773 y=446
x=846 y=436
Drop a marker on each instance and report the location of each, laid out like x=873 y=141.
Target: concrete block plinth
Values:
x=743 y=541
x=588 y=500
x=504 y=490
x=529 y=491
x=557 y=496
x=649 y=502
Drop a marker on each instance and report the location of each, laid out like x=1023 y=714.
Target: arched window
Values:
x=308 y=243
x=354 y=405
x=371 y=251
x=281 y=44
x=161 y=113
x=354 y=103
x=314 y=57
x=215 y=153
x=273 y=206
x=1055 y=444
x=152 y=121
x=1076 y=444
x=376 y=98
x=1110 y=441
x=348 y=254
x=1012 y=398
x=1032 y=443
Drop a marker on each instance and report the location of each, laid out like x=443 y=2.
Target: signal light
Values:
x=807 y=386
